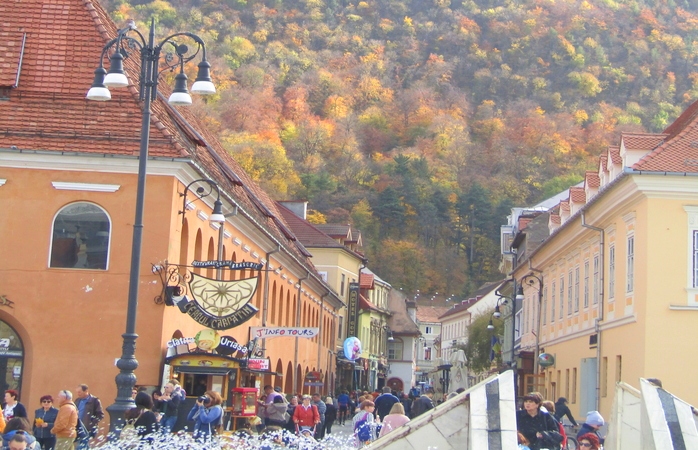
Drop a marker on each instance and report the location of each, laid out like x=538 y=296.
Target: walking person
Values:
x=169 y=405
x=306 y=415
x=90 y=413
x=18 y=425
x=550 y=407
x=44 y=419
x=66 y=421
x=343 y=403
x=13 y=408
x=589 y=441
x=539 y=428
x=144 y=419
x=592 y=425
x=394 y=419
x=385 y=402
x=290 y=410
x=424 y=403
x=330 y=416
x=364 y=423
x=562 y=410
x=321 y=409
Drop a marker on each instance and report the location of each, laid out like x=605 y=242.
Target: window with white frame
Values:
x=595 y=294
x=576 y=289
x=427 y=353
x=695 y=258
x=552 y=303
x=395 y=349
x=611 y=272
x=569 y=293
x=545 y=305
x=586 y=283
x=81 y=237
x=517 y=324
x=630 y=264
x=562 y=296
x=428 y=329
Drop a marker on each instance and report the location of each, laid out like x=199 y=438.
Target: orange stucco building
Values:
x=68 y=179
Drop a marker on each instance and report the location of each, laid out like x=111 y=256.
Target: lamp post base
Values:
x=125 y=381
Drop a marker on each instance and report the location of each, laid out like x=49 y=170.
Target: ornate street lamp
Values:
x=129 y=40
x=531 y=280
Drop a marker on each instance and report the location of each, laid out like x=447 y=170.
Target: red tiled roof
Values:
x=565 y=205
x=336 y=230
x=430 y=313
x=554 y=218
x=641 y=141
x=10 y=54
x=592 y=180
x=614 y=152
x=48 y=110
x=306 y=232
x=367 y=280
x=602 y=162
x=523 y=221
x=679 y=152
x=365 y=304
x=578 y=195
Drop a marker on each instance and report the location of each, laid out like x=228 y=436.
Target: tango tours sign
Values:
x=272 y=332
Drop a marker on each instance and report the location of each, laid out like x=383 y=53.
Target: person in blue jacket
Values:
x=44 y=418
x=206 y=414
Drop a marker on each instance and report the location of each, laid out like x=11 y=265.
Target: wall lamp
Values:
x=202 y=192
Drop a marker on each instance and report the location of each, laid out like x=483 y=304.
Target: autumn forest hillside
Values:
x=423 y=121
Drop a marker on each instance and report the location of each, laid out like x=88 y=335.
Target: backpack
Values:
x=362 y=429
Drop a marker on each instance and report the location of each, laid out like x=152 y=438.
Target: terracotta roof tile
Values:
x=578 y=195
x=367 y=280
x=306 y=232
x=10 y=54
x=565 y=205
x=602 y=162
x=554 y=218
x=641 y=141
x=614 y=153
x=336 y=230
x=48 y=110
x=430 y=313
x=592 y=180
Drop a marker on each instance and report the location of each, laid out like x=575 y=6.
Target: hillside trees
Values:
x=422 y=122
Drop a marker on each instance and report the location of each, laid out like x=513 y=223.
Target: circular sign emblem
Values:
x=546 y=360
x=206 y=340
x=352 y=348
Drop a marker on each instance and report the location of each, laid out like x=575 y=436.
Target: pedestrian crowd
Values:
x=540 y=426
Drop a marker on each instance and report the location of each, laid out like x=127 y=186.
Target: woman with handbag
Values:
x=207 y=415
x=539 y=428
x=141 y=418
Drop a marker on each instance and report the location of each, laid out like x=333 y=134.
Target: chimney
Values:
x=298 y=207
x=411 y=310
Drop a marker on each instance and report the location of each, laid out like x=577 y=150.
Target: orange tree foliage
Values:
x=388 y=113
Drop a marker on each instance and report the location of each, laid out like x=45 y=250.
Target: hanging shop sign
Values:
x=353 y=313
x=229 y=346
x=209 y=341
x=202 y=360
x=215 y=304
x=272 y=332
x=546 y=360
x=313 y=378
x=218 y=304
x=261 y=364
x=352 y=348
x=232 y=265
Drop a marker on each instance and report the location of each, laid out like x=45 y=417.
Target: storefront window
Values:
x=11 y=358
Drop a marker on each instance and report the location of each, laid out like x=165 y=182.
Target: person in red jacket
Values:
x=306 y=415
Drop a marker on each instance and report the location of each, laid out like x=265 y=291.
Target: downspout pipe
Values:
x=600 y=318
x=321 y=334
x=298 y=324
x=265 y=307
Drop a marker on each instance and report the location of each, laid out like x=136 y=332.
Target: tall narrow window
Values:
x=630 y=264
x=341 y=286
x=695 y=258
x=81 y=235
x=552 y=303
x=574 y=385
x=545 y=305
x=562 y=296
x=595 y=296
x=604 y=376
x=611 y=272
x=619 y=368
x=567 y=383
x=569 y=293
x=586 y=284
x=576 y=289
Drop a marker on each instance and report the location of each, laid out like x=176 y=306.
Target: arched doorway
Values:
x=11 y=358
x=396 y=385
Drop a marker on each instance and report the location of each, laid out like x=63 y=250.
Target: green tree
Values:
x=479 y=348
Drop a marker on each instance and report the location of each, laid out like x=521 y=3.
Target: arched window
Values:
x=81 y=235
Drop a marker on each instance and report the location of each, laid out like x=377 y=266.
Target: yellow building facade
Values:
x=619 y=275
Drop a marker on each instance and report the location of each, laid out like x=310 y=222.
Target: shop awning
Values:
x=203 y=363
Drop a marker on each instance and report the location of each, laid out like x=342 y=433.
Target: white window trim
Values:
x=629 y=268
x=691 y=286
x=111 y=235
x=90 y=187
x=611 y=272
